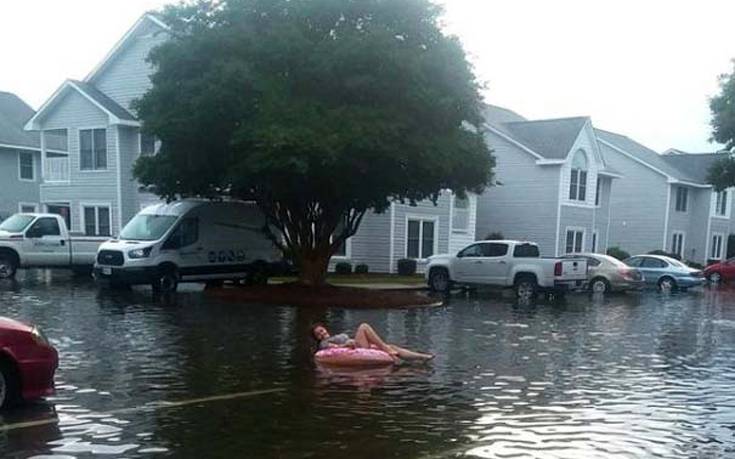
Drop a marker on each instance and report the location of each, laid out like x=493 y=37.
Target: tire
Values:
x=526 y=288
x=599 y=285
x=8 y=266
x=9 y=385
x=167 y=280
x=259 y=275
x=667 y=284
x=715 y=277
x=439 y=280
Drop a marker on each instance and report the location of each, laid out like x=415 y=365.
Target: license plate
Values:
x=107 y=271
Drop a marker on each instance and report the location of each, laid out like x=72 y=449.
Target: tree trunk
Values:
x=313 y=270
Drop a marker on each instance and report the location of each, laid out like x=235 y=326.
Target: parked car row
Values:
x=184 y=241
x=518 y=265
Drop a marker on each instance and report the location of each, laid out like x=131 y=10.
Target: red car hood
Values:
x=10 y=324
x=713 y=266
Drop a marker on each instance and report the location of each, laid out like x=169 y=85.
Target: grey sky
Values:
x=641 y=68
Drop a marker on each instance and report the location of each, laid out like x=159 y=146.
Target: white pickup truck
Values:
x=30 y=240
x=513 y=264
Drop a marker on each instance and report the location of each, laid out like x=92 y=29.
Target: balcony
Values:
x=56 y=169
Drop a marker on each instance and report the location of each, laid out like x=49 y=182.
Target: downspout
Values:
x=666 y=217
x=392 y=236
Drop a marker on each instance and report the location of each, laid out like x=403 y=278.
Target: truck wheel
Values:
x=526 y=288
x=8 y=266
x=439 y=280
x=667 y=284
x=167 y=280
x=258 y=275
x=599 y=285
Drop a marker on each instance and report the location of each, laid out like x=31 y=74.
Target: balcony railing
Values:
x=56 y=170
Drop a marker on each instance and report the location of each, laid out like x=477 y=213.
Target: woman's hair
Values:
x=313 y=327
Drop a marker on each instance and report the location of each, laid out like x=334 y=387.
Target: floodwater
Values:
x=640 y=375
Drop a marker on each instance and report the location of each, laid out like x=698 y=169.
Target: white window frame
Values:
x=728 y=204
x=712 y=246
x=79 y=149
x=686 y=199
x=683 y=243
x=572 y=169
x=33 y=166
x=575 y=229
x=21 y=205
x=470 y=203
x=156 y=145
x=595 y=241
x=348 y=250
x=96 y=206
x=421 y=219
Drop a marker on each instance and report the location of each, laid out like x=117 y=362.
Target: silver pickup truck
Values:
x=43 y=241
x=512 y=264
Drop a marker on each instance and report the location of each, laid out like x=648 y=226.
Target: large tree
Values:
x=319 y=110
x=722 y=106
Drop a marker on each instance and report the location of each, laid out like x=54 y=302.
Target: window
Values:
x=27 y=208
x=420 y=238
x=682 y=195
x=597 y=192
x=148 y=144
x=494 y=249
x=526 y=251
x=96 y=220
x=721 y=204
x=186 y=234
x=677 y=244
x=716 y=247
x=635 y=262
x=653 y=263
x=593 y=247
x=44 y=227
x=461 y=214
x=25 y=165
x=93 y=149
x=575 y=241
x=471 y=251
x=594 y=262
x=578 y=179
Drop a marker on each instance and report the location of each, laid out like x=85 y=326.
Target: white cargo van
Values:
x=189 y=241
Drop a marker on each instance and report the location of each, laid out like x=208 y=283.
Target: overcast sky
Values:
x=641 y=68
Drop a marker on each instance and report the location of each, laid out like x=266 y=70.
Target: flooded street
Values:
x=646 y=375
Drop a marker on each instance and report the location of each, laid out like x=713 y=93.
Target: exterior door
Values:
x=467 y=263
x=494 y=268
x=64 y=210
x=44 y=245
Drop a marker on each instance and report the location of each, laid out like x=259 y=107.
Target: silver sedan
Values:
x=608 y=274
x=666 y=273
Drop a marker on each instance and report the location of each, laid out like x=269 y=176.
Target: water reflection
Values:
x=629 y=375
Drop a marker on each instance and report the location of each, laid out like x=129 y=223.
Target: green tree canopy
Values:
x=319 y=110
x=722 y=106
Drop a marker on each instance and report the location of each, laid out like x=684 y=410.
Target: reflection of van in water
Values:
x=189 y=240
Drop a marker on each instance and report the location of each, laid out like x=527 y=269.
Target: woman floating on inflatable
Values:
x=366 y=349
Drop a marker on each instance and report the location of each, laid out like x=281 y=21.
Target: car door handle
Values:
x=501 y=262
x=62 y=242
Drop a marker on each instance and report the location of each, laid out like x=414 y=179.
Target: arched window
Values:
x=578 y=182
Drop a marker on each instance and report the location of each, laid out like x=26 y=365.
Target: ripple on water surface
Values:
x=630 y=376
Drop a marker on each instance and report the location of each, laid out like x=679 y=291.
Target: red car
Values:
x=721 y=272
x=27 y=363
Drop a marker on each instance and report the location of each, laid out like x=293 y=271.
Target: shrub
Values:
x=362 y=268
x=343 y=268
x=494 y=236
x=406 y=267
x=617 y=252
x=694 y=264
x=665 y=254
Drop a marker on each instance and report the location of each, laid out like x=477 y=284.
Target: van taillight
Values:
x=557 y=268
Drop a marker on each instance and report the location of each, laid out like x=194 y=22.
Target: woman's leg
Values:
x=365 y=336
x=411 y=355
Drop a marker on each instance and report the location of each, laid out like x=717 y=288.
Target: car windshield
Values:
x=17 y=223
x=146 y=227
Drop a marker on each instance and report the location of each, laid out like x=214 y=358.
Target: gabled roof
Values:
x=13 y=114
x=649 y=157
x=695 y=165
x=146 y=19
x=552 y=139
x=116 y=113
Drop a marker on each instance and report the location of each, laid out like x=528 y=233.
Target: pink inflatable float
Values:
x=346 y=357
